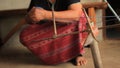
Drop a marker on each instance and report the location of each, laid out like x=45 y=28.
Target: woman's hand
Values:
x=36 y=14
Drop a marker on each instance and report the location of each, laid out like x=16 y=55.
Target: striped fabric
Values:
x=54 y=51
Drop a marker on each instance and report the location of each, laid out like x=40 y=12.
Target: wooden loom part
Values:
x=92 y=22
x=98 y=5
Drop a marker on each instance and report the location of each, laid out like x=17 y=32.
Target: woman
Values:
x=67 y=16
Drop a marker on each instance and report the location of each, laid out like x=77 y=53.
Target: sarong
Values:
x=58 y=50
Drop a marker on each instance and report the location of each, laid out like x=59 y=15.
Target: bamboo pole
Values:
x=94 y=46
x=96 y=54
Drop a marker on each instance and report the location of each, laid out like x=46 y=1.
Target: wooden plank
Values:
x=7 y=13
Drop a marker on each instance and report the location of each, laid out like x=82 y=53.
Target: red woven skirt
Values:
x=54 y=51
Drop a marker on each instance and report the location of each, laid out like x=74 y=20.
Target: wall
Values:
x=7 y=23
x=13 y=4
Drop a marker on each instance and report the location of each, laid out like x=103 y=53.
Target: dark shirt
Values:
x=59 y=4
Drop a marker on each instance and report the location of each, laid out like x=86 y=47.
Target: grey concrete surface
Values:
x=15 y=55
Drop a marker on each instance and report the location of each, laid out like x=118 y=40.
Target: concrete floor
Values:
x=15 y=55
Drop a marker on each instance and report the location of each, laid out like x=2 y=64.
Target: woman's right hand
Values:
x=35 y=15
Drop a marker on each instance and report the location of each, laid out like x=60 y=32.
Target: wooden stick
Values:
x=16 y=28
x=109 y=26
x=92 y=14
x=91 y=26
x=0 y=38
x=54 y=22
x=76 y=32
x=98 y=5
x=60 y=35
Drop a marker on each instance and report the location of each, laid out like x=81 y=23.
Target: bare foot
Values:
x=81 y=61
